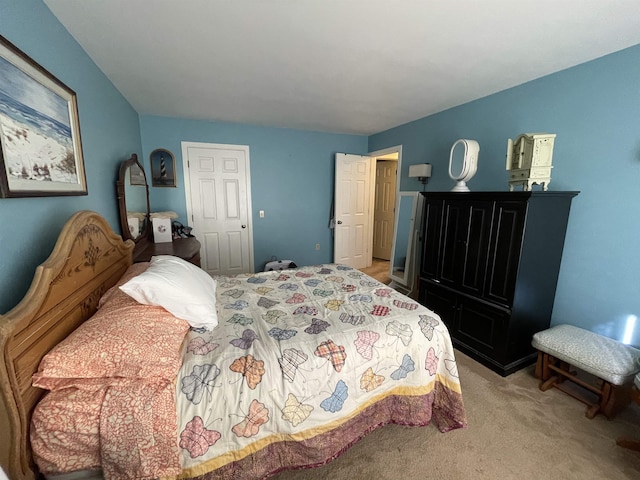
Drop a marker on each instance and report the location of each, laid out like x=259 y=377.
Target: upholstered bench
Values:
x=563 y=349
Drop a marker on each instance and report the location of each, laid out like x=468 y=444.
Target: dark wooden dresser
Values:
x=489 y=268
x=186 y=248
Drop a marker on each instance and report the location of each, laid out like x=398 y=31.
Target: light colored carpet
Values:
x=515 y=432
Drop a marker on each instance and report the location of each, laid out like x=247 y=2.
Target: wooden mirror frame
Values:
x=125 y=169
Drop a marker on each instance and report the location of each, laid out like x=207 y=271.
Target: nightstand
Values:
x=185 y=248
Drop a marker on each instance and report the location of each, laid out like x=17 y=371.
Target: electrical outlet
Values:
x=317 y=246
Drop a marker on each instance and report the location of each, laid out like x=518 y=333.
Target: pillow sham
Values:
x=64 y=431
x=179 y=287
x=122 y=341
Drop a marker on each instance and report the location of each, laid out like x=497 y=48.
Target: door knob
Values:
x=244 y=226
x=339 y=222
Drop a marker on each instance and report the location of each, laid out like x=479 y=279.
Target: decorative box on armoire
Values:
x=489 y=268
x=529 y=160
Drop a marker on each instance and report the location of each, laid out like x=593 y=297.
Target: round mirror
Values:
x=133 y=199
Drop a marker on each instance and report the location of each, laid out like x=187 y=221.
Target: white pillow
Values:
x=179 y=287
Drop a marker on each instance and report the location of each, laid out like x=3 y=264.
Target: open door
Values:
x=353 y=214
x=384 y=208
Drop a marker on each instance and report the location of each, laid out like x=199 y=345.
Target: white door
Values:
x=383 y=214
x=353 y=210
x=218 y=194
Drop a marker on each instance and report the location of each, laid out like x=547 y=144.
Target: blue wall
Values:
x=292 y=174
x=594 y=110
x=109 y=129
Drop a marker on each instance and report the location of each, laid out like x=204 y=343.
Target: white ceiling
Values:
x=348 y=66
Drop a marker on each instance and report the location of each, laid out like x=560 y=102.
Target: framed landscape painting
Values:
x=41 y=152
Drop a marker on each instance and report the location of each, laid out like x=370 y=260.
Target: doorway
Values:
x=388 y=164
x=355 y=202
x=384 y=208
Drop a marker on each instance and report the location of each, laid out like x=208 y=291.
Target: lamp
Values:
x=422 y=171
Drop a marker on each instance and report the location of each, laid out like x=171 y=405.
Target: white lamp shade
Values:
x=420 y=170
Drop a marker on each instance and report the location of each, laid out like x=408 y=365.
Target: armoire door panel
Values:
x=432 y=237
x=441 y=301
x=504 y=253
x=455 y=224
x=476 y=248
x=482 y=328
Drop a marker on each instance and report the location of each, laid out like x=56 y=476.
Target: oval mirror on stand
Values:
x=464 y=153
x=133 y=201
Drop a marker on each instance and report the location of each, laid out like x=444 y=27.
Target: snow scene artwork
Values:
x=40 y=152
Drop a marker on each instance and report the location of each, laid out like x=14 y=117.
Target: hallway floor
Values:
x=379 y=270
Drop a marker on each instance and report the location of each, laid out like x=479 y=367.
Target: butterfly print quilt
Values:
x=297 y=356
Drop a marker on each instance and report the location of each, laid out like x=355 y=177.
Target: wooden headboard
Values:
x=87 y=260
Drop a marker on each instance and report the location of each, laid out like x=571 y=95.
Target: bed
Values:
x=301 y=365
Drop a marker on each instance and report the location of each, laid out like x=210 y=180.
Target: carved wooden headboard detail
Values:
x=87 y=260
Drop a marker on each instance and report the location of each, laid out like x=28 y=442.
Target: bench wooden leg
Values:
x=608 y=399
x=567 y=371
x=592 y=411
x=539 y=365
x=614 y=398
x=545 y=368
x=630 y=443
x=543 y=372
